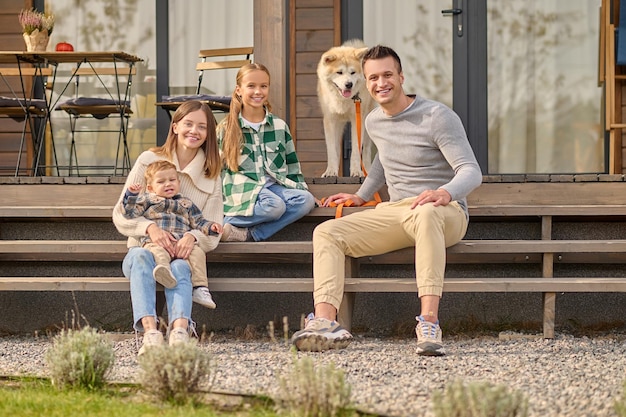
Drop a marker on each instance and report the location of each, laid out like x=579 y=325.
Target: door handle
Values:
x=459 y=21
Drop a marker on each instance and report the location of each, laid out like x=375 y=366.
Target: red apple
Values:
x=64 y=47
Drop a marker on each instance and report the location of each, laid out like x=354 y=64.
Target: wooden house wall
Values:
x=315 y=26
x=11 y=130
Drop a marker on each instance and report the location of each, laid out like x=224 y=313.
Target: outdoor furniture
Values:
x=24 y=107
x=210 y=59
x=116 y=105
x=87 y=64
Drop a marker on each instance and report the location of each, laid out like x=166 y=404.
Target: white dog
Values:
x=340 y=81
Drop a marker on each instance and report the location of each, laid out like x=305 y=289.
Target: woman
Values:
x=263 y=186
x=191 y=145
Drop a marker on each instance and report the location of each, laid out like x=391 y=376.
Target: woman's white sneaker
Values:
x=178 y=335
x=151 y=338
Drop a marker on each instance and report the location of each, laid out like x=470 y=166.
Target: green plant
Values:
x=32 y=20
x=620 y=404
x=22 y=397
x=80 y=359
x=310 y=391
x=174 y=373
x=479 y=399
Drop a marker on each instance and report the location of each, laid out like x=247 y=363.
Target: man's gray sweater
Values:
x=424 y=147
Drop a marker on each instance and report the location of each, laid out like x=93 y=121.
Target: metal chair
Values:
x=211 y=59
x=31 y=111
x=116 y=104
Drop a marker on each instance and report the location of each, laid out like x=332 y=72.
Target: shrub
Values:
x=307 y=391
x=479 y=399
x=174 y=373
x=620 y=405
x=80 y=359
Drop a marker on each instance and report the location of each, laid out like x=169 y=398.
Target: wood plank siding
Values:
x=314 y=28
x=10 y=129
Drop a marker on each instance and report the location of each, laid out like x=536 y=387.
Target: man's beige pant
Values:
x=196 y=261
x=388 y=227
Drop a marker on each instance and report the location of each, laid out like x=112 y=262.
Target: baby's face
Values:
x=165 y=183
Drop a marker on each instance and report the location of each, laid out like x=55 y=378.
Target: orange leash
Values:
x=350 y=203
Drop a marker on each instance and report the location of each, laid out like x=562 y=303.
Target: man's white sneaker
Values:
x=202 y=296
x=428 y=338
x=178 y=335
x=321 y=334
x=234 y=234
x=163 y=275
x=151 y=338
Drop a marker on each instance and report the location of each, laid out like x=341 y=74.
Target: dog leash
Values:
x=350 y=203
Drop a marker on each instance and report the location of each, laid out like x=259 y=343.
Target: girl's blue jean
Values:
x=137 y=266
x=275 y=208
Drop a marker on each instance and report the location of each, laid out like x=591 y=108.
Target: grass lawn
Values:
x=37 y=397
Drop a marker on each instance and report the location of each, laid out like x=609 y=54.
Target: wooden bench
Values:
x=543 y=249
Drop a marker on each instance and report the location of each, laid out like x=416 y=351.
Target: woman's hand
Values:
x=185 y=245
x=162 y=238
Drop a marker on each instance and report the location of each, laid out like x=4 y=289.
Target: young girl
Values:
x=263 y=187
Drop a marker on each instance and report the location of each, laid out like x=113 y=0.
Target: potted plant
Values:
x=37 y=27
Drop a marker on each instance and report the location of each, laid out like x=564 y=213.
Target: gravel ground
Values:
x=565 y=376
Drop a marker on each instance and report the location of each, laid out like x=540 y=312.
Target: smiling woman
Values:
x=191 y=147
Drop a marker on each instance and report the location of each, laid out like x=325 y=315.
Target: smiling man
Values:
x=425 y=159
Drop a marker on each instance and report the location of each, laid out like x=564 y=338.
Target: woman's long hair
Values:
x=212 y=164
x=233 y=137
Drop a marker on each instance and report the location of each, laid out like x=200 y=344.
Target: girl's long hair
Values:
x=233 y=137
x=212 y=164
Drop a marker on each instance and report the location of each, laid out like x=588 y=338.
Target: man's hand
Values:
x=162 y=238
x=342 y=198
x=438 y=197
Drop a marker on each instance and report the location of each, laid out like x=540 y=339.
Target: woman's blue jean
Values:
x=275 y=208
x=137 y=266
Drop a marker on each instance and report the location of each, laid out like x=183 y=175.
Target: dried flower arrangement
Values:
x=32 y=20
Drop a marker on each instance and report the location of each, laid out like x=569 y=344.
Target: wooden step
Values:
x=352 y=285
x=114 y=250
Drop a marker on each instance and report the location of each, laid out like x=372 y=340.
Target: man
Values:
x=426 y=161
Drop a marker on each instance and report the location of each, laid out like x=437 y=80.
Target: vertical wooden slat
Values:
x=344 y=315
x=609 y=66
x=337 y=22
x=549 y=299
x=292 y=68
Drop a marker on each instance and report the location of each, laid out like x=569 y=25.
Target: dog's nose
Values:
x=349 y=85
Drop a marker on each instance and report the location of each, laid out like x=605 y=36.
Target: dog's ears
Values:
x=328 y=58
x=360 y=52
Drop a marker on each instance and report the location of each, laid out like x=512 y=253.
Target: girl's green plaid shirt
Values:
x=268 y=151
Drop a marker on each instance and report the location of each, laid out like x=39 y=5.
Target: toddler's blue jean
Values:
x=137 y=266
x=275 y=208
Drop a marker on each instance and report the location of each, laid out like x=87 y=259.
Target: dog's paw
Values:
x=330 y=173
x=356 y=173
